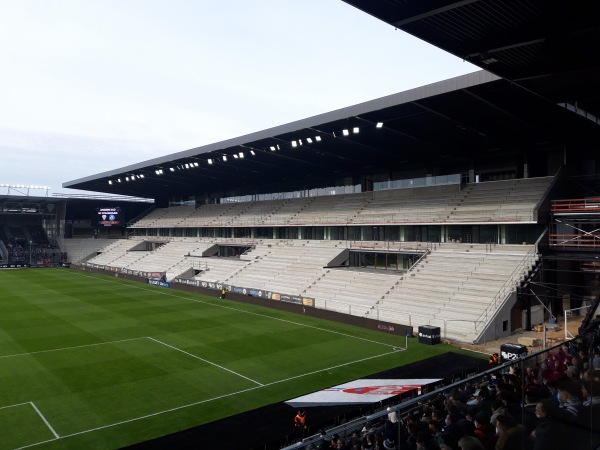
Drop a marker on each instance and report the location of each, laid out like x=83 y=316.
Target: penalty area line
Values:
x=71 y=348
x=205 y=360
x=208 y=400
x=45 y=421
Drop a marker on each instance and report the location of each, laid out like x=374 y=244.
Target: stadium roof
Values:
x=547 y=47
x=543 y=96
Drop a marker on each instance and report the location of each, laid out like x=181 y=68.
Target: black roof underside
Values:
x=543 y=57
x=547 y=47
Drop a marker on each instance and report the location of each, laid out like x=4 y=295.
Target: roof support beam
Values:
x=416 y=15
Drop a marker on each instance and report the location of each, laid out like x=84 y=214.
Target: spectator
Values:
x=340 y=444
x=300 y=419
x=498 y=408
x=568 y=396
x=355 y=439
x=451 y=433
x=591 y=393
x=589 y=414
x=510 y=434
x=434 y=429
x=438 y=416
x=572 y=372
x=547 y=434
x=369 y=442
x=470 y=443
x=484 y=430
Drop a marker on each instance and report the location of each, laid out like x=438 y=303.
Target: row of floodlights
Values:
x=240 y=155
x=24 y=186
x=128 y=178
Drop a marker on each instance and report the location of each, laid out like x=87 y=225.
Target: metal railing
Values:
x=507 y=288
x=418 y=404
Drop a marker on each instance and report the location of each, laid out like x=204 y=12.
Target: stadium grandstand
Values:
x=470 y=205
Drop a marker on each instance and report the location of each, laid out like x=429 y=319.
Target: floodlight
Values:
x=241 y=154
x=272 y=148
x=126 y=178
x=252 y=152
x=278 y=147
x=109 y=181
x=294 y=144
x=209 y=161
x=195 y=164
x=379 y=124
x=225 y=158
x=318 y=138
x=118 y=180
x=187 y=166
x=300 y=141
x=142 y=176
x=309 y=140
x=355 y=130
x=345 y=132
x=235 y=156
x=171 y=169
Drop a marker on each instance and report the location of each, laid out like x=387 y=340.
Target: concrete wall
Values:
x=495 y=328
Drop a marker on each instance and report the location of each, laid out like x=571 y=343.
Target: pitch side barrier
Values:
x=284 y=302
x=27 y=266
x=586 y=431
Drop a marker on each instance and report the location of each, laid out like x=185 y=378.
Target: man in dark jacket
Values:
x=548 y=431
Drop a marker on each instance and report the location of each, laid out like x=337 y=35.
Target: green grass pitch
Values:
x=93 y=361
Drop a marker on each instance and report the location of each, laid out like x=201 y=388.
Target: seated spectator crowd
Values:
x=553 y=405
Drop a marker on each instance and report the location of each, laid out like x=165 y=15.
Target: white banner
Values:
x=360 y=391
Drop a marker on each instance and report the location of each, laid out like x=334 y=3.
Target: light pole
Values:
x=30 y=245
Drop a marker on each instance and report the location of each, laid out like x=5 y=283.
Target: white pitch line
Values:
x=259 y=385
x=12 y=406
x=206 y=361
x=71 y=348
x=189 y=405
x=45 y=421
x=332 y=367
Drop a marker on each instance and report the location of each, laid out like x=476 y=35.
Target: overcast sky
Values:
x=94 y=85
